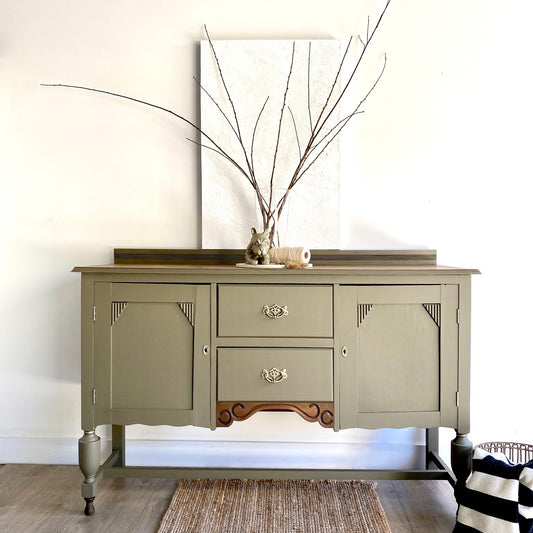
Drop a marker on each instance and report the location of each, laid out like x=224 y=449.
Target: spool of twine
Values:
x=296 y=257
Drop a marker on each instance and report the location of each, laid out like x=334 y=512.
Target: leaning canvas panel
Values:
x=256 y=72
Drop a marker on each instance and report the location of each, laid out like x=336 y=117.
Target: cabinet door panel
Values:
x=401 y=355
x=398 y=360
x=149 y=363
x=152 y=363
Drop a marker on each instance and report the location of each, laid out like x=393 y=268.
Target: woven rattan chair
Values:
x=515 y=451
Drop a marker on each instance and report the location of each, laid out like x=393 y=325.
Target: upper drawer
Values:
x=275 y=311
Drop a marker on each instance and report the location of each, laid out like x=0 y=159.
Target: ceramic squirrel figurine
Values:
x=258 y=250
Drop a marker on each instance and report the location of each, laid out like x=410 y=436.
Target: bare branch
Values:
x=224 y=155
x=217 y=105
x=314 y=134
x=356 y=67
x=223 y=81
x=297 y=174
x=355 y=112
x=315 y=146
x=296 y=133
x=253 y=135
x=279 y=127
x=233 y=162
x=332 y=86
x=238 y=128
x=260 y=198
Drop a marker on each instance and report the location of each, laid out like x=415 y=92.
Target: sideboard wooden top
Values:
x=315 y=270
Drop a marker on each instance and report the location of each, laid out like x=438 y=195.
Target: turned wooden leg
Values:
x=89 y=460
x=89 y=506
x=461 y=459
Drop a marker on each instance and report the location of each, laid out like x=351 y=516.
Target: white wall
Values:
x=440 y=159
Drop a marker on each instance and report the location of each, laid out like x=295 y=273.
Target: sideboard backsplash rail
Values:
x=232 y=256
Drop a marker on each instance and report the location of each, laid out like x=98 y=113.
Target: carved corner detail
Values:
x=229 y=412
x=362 y=311
x=188 y=311
x=434 y=312
x=116 y=310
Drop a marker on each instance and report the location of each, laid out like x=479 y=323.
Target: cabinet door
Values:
x=399 y=368
x=150 y=365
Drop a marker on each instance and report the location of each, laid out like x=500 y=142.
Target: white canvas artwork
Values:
x=254 y=71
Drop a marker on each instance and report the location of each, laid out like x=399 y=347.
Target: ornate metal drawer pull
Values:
x=275 y=311
x=274 y=375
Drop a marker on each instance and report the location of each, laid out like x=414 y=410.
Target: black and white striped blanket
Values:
x=498 y=497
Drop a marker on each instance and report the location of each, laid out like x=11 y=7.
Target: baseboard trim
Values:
x=38 y=451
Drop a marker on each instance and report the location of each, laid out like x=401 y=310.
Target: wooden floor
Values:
x=46 y=499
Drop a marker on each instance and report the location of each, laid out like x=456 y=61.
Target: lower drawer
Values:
x=275 y=374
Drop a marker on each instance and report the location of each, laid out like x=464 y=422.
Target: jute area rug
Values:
x=274 y=506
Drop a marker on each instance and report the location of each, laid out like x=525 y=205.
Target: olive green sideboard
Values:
x=351 y=343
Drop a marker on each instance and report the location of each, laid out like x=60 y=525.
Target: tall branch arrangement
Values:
x=322 y=130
